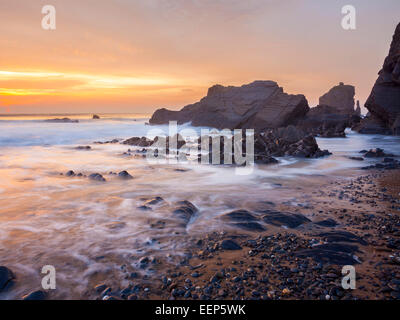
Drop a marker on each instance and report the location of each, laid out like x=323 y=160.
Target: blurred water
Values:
x=47 y=218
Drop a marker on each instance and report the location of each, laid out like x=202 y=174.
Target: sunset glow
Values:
x=137 y=56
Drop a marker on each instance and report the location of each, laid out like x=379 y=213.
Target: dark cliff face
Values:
x=384 y=100
x=258 y=105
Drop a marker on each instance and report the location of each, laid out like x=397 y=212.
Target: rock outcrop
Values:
x=334 y=113
x=384 y=100
x=328 y=122
x=340 y=97
x=258 y=105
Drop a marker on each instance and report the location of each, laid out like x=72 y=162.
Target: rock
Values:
x=327 y=122
x=140 y=142
x=239 y=215
x=341 y=236
x=288 y=141
x=125 y=175
x=326 y=223
x=230 y=245
x=36 y=295
x=97 y=177
x=358 y=109
x=356 y=158
x=70 y=173
x=376 y=153
x=334 y=253
x=100 y=287
x=6 y=277
x=290 y=220
x=258 y=105
x=250 y=226
x=83 y=148
x=371 y=125
x=341 y=98
x=63 y=120
x=384 y=100
x=145 y=208
x=245 y=220
x=95 y=117
x=154 y=201
x=185 y=210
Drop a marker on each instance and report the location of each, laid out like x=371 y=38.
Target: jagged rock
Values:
x=289 y=141
x=340 y=97
x=258 y=105
x=384 y=100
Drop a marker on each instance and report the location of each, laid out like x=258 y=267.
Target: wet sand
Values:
x=284 y=263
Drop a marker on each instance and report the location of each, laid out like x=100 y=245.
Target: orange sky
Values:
x=136 y=56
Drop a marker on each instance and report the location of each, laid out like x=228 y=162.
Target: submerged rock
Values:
x=154 y=201
x=326 y=223
x=333 y=253
x=230 y=245
x=137 y=141
x=36 y=295
x=70 y=173
x=376 y=153
x=185 y=210
x=83 y=148
x=342 y=236
x=125 y=175
x=290 y=220
x=239 y=215
x=6 y=277
x=62 y=120
x=250 y=226
x=97 y=177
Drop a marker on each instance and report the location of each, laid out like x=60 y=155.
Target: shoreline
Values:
x=287 y=263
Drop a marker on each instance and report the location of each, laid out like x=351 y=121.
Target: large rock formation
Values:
x=258 y=105
x=384 y=100
x=334 y=113
x=340 y=97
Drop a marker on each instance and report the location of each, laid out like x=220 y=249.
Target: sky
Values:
x=134 y=56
